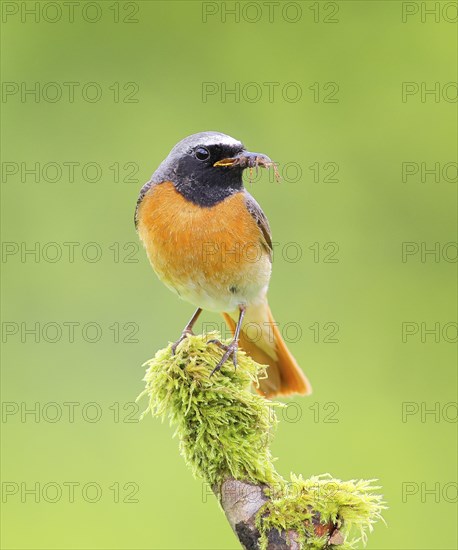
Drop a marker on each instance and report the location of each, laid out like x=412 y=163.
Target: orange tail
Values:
x=262 y=341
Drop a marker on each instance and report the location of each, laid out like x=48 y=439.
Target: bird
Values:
x=209 y=241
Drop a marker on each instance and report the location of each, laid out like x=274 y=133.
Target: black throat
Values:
x=207 y=185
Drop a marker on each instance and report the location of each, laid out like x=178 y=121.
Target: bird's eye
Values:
x=202 y=154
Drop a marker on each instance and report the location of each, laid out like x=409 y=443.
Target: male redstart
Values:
x=209 y=241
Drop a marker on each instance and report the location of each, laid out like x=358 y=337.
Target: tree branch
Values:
x=225 y=431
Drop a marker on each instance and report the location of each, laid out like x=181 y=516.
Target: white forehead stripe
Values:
x=220 y=140
x=204 y=139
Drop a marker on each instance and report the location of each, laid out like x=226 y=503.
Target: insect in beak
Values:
x=249 y=160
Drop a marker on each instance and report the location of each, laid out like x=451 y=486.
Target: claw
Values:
x=218 y=343
x=183 y=336
x=231 y=350
x=187 y=330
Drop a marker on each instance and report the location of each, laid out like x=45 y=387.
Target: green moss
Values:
x=224 y=430
x=350 y=506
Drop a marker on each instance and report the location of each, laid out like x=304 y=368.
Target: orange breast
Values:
x=216 y=249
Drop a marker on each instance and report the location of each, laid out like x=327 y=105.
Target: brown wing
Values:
x=255 y=210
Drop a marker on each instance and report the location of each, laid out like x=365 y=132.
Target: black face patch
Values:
x=199 y=181
x=190 y=167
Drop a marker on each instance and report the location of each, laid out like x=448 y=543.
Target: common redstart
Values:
x=209 y=241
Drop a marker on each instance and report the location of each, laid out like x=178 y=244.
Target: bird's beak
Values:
x=249 y=160
x=246 y=159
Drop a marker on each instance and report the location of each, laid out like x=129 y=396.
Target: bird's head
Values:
x=207 y=167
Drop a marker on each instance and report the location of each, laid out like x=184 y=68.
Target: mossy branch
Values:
x=224 y=432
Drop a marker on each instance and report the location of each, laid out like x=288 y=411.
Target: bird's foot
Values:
x=229 y=351
x=184 y=335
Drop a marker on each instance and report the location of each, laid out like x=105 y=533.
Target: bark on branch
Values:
x=241 y=502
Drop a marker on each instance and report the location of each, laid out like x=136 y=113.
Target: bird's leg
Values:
x=187 y=329
x=231 y=349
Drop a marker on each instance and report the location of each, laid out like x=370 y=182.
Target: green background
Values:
x=369 y=292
